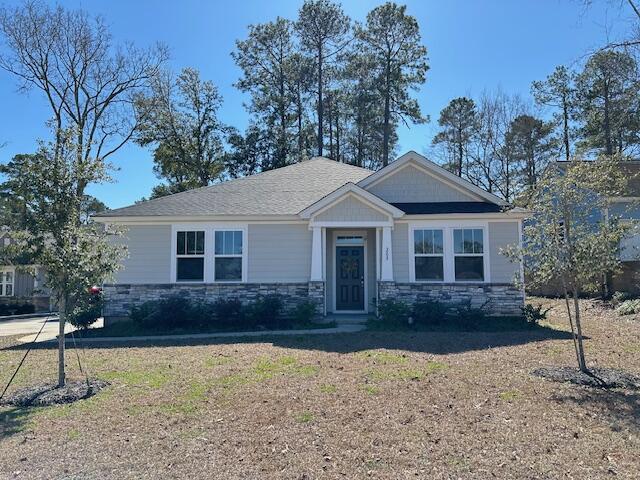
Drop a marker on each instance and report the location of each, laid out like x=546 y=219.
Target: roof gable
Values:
x=351 y=201
x=430 y=182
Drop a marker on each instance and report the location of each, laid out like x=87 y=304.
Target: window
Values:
x=6 y=282
x=428 y=248
x=190 y=256
x=468 y=252
x=228 y=256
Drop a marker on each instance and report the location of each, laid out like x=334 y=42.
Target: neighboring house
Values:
x=341 y=236
x=627 y=208
x=22 y=283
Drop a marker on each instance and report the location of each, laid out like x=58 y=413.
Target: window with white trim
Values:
x=428 y=249
x=468 y=254
x=7 y=277
x=228 y=255
x=190 y=256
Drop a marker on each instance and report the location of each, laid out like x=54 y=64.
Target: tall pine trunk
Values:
x=565 y=119
x=320 y=106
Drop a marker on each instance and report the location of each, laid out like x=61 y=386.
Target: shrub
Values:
x=266 y=312
x=87 y=310
x=533 y=315
x=172 y=312
x=620 y=297
x=430 y=312
x=25 y=308
x=228 y=312
x=468 y=317
x=629 y=307
x=393 y=312
x=304 y=312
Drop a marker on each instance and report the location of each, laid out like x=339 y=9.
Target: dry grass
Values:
x=365 y=405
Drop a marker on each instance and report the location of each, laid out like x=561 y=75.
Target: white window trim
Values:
x=242 y=255
x=209 y=258
x=194 y=255
x=439 y=255
x=4 y=270
x=484 y=249
x=447 y=227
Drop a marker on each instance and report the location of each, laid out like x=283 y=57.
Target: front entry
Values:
x=350 y=278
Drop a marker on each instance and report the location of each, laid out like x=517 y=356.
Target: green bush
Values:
x=228 y=312
x=266 y=312
x=16 y=309
x=468 y=317
x=629 y=307
x=620 y=297
x=87 y=310
x=393 y=312
x=173 y=312
x=533 y=315
x=430 y=312
x=304 y=312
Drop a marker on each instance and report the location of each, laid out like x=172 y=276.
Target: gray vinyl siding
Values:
x=410 y=185
x=149 y=254
x=400 y=247
x=279 y=253
x=23 y=284
x=502 y=234
x=351 y=210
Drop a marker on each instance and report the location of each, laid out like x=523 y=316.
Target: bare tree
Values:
x=88 y=81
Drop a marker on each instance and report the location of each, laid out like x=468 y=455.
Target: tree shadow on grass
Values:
x=434 y=342
x=619 y=408
x=13 y=420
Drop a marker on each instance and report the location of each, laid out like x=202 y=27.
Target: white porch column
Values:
x=386 y=268
x=316 y=255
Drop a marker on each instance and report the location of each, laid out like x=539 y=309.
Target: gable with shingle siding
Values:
x=411 y=184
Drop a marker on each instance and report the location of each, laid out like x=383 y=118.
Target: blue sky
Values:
x=473 y=45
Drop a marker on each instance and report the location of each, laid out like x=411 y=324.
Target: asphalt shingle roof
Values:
x=283 y=191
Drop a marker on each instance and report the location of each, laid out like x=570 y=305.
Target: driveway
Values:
x=29 y=327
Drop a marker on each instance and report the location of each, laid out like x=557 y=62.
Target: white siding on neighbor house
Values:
x=149 y=254
x=400 y=248
x=351 y=210
x=279 y=253
x=410 y=185
x=502 y=234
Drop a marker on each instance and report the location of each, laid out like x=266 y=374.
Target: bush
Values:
x=16 y=309
x=629 y=307
x=173 y=312
x=620 y=297
x=87 y=310
x=304 y=312
x=228 y=312
x=533 y=315
x=468 y=317
x=393 y=312
x=265 y=312
x=430 y=312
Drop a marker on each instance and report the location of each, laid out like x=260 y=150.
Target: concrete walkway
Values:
x=198 y=336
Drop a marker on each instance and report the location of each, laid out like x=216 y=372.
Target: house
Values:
x=21 y=284
x=338 y=235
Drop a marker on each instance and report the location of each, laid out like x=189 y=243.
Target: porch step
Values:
x=347 y=319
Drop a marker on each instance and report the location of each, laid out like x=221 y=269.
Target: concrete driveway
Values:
x=29 y=327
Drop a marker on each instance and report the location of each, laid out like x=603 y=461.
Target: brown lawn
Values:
x=365 y=405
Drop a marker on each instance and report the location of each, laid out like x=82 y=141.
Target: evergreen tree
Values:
x=458 y=124
x=392 y=39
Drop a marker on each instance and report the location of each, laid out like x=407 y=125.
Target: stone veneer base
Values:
x=497 y=299
x=120 y=298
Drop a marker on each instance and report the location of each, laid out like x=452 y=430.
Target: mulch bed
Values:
x=46 y=394
x=597 y=378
